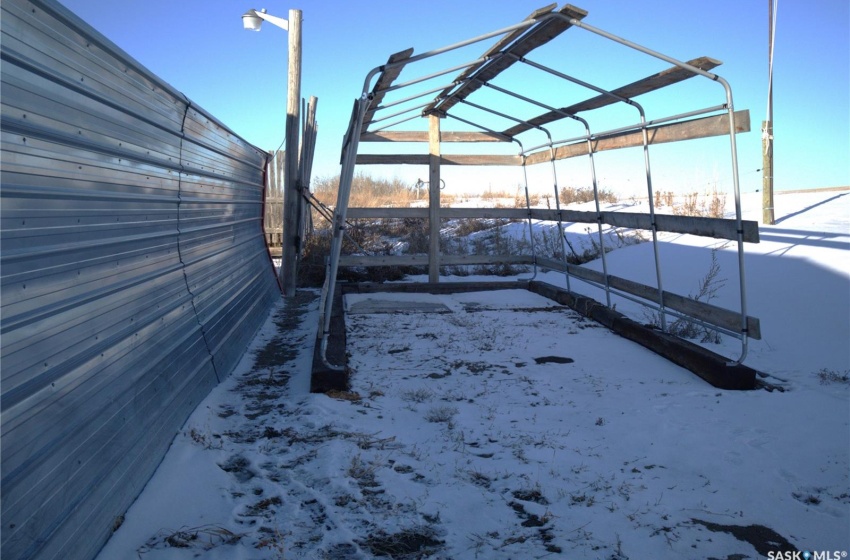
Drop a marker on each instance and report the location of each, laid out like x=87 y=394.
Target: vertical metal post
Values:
x=528 y=211
x=434 y=198
x=595 y=184
x=291 y=188
x=561 y=233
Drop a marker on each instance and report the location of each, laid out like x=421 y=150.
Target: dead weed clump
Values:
x=410 y=544
x=710 y=204
x=580 y=195
x=829 y=376
x=205 y=537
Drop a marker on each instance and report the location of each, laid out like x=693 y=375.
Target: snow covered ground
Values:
x=507 y=426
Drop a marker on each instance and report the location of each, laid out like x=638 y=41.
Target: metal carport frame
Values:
x=514 y=43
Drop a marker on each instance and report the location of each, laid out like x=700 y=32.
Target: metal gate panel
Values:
x=134 y=272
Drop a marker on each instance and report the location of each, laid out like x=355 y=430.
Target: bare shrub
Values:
x=711 y=204
x=441 y=414
x=417 y=395
x=367 y=191
x=828 y=376
x=491 y=194
x=709 y=286
x=578 y=195
x=663 y=198
x=521 y=202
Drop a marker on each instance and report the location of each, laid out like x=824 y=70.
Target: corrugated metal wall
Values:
x=134 y=272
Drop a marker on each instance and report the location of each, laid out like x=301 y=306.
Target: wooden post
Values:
x=434 y=198
x=305 y=171
x=767 y=216
x=291 y=196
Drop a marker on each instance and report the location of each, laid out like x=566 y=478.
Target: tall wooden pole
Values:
x=434 y=198
x=767 y=132
x=291 y=195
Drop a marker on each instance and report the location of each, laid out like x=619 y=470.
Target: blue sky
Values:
x=200 y=48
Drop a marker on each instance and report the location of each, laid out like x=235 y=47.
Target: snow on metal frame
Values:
x=134 y=273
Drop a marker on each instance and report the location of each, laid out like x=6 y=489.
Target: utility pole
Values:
x=767 y=127
x=291 y=194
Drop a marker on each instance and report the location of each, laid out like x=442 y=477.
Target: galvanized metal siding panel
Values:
x=133 y=272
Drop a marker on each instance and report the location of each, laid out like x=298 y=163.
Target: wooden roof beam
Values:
x=445 y=159
x=499 y=45
x=688 y=130
x=422 y=136
x=657 y=81
x=538 y=34
x=385 y=80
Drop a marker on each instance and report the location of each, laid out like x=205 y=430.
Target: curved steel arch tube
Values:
x=648 y=172
x=733 y=146
x=525 y=176
x=590 y=153
x=524 y=170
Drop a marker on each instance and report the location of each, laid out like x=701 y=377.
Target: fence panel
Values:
x=134 y=272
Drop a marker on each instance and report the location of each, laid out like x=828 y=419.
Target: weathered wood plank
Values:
x=459 y=260
x=718 y=228
x=537 y=35
x=705 y=127
x=383 y=260
x=657 y=81
x=422 y=136
x=385 y=80
x=392 y=159
x=711 y=314
x=448 y=159
x=504 y=41
x=386 y=213
x=712 y=367
x=422 y=260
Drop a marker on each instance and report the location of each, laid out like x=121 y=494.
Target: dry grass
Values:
x=579 y=195
x=710 y=204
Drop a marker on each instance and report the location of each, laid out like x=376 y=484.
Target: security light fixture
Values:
x=253 y=20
